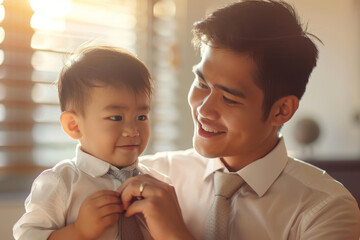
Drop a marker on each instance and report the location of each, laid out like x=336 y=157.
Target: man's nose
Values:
x=208 y=107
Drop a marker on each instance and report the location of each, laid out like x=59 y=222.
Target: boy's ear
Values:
x=70 y=123
x=283 y=110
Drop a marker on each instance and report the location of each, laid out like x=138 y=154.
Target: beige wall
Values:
x=333 y=95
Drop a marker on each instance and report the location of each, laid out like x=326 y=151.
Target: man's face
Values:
x=115 y=125
x=227 y=111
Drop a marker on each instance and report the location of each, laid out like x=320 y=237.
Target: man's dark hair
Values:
x=95 y=66
x=270 y=32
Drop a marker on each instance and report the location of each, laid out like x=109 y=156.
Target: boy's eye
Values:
x=142 y=117
x=115 y=118
x=229 y=100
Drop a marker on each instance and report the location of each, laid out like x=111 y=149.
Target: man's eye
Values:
x=200 y=84
x=142 y=117
x=115 y=118
x=230 y=101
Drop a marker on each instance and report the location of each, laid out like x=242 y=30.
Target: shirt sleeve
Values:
x=159 y=161
x=333 y=219
x=44 y=208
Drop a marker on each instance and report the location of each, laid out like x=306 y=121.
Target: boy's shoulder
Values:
x=66 y=166
x=62 y=170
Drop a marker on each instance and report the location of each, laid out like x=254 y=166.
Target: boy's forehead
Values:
x=120 y=86
x=118 y=97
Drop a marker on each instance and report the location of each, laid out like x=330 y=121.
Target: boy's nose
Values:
x=130 y=132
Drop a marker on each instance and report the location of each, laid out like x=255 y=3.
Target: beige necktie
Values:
x=129 y=228
x=225 y=185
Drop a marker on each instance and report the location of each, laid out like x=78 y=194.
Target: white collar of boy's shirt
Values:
x=91 y=165
x=268 y=167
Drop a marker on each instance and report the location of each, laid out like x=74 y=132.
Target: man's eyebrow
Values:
x=198 y=72
x=231 y=91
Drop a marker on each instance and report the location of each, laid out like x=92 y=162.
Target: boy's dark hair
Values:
x=270 y=32
x=96 y=66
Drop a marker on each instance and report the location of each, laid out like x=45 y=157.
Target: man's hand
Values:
x=159 y=205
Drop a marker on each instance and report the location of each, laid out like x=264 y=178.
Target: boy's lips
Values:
x=129 y=147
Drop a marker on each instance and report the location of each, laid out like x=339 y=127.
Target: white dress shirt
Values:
x=57 y=194
x=282 y=198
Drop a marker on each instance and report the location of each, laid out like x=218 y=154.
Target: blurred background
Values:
x=36 y=35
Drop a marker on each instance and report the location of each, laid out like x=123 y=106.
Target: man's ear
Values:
x=70 y=123
x=283 y=110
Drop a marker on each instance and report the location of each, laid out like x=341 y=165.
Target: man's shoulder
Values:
x=314 y=179
x=170 y=156
x=169 y=161
x=153 y=172
x=318 y=199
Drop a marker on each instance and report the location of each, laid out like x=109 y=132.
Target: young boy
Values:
x=104 y=97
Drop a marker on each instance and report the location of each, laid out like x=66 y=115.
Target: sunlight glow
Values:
x=164 y=8
x=43 y=22
x=53 y=8
x=2 y=34
x=2 y=13
x=2 y=57
x=49 y=14
x=44 y=93
x=47 y=61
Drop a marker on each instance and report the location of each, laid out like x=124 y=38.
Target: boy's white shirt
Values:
x=57 y=194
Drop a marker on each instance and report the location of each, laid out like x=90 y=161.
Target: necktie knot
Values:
x=226 y=184
x=125 y=172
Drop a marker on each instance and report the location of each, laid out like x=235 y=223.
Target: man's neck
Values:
x=235 y=163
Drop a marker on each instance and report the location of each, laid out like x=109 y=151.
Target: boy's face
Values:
x=227 y=111
x=115 y=124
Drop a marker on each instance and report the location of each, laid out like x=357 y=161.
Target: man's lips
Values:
x=206 y=130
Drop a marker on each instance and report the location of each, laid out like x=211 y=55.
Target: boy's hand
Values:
x=97 y=212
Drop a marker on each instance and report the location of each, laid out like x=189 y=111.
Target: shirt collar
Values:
x=269 y=168
x=213 y=164
x=91 y=165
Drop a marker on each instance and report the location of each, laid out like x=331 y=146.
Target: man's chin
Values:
x=206 y=151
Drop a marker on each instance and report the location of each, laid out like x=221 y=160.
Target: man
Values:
x=256 y=62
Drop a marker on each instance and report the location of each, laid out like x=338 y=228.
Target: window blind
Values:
x=35 y=37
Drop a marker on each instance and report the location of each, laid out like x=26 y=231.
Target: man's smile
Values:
x=208 y=130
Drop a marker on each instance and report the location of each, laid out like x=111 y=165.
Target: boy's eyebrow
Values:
x=119 y=107
x=231 y=91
